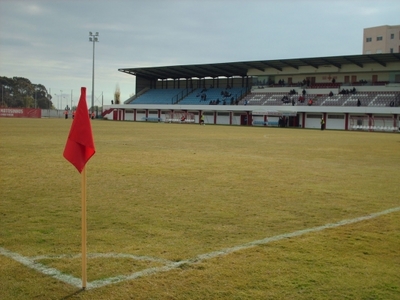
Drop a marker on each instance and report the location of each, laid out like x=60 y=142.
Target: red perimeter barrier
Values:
x=21 y=112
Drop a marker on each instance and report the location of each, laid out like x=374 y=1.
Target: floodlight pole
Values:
x=93 y=38
x=58 y=101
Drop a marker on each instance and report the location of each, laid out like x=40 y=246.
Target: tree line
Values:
x=21 y=92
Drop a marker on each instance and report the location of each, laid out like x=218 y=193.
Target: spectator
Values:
x=358 y=102
x=202 y=120
x=285 y=99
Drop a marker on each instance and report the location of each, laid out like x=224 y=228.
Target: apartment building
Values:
x=381 y=39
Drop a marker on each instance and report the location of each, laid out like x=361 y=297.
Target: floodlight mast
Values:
x=93 y=38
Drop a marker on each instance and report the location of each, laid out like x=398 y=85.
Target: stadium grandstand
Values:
x=351 y=92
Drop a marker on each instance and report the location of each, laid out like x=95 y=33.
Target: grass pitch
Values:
x=162 y=193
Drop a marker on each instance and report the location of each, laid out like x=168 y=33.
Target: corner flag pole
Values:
x=84 y=230
x=78 y=150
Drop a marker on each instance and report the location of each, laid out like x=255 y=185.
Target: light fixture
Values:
x=93 y=38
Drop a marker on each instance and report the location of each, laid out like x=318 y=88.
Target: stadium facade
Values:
x=350 y=92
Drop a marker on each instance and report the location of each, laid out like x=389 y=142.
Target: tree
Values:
x=117 y=95
x=20 y=92
x=6 y=90
x=23 y=91
x=42 y=98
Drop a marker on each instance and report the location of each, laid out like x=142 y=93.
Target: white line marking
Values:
x=29 y=262
x=294 y=234
x=102 y=255
x=71 y=280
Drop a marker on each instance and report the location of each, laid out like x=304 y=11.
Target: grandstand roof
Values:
x=231 y=69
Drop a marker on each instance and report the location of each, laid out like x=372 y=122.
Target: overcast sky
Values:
x=47 y=41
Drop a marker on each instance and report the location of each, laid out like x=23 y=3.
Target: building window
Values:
x=341 y=117
x=379 y=38
x=314 y=116
x=369 y=40
x=392 y=36
x=391 y=50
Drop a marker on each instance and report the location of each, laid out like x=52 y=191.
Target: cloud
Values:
x=33 y=9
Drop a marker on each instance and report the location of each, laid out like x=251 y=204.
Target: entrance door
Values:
x=243 y=119
x=311 y=79
x=293 y=121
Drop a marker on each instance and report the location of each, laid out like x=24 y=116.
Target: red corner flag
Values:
x=80 y=146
